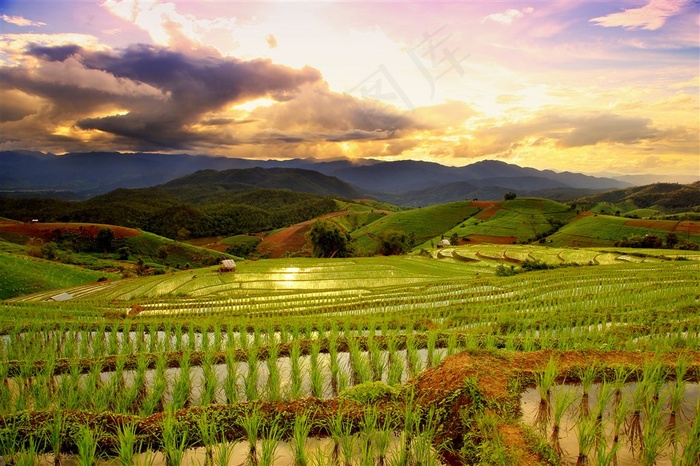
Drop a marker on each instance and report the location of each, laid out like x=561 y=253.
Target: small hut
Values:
x=444 y=243
x=61 y=297
x=227 y=265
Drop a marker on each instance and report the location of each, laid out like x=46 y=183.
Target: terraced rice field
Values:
x=370 y=361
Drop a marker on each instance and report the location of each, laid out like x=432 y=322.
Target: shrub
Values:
x=371 y=392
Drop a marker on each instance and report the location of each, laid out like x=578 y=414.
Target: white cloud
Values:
x=20 y=21
x=508 y=16
x=651 y=16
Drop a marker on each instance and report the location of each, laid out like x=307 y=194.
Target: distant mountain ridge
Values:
x=90 y=174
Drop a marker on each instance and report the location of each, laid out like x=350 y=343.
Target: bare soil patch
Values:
x=49 y=231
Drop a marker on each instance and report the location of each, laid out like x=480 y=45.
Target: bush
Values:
x=371 y=392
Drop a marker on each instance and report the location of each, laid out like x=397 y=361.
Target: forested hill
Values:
x=663 y=195
x=206 y=203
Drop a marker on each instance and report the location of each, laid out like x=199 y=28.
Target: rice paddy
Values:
x=423 y=359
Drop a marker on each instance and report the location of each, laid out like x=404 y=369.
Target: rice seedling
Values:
x=302 y=428
x=231 y=379
x=316 y=374
x=587 y=375
x=251 y=379
x=126 y=444
x=174 y=440
x=223 y=451
x=296 y=370
x=382 y=441
x=653 y=435
x=691 y=450
x=545 y=381
x=252 y=424
x=561 y=402
x=269 y=442
x=210 y=381
x=153 y=402
x=86 y=444
x=208 y=431
x=586 y=436
x=395 y=362
x=182 y=388
x=274 y=381
x=28 y=455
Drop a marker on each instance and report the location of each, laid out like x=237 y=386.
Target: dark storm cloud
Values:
x=160 y=93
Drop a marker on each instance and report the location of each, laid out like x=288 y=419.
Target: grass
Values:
x=20 y=275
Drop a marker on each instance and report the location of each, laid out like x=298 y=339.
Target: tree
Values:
x=454 y=239
x=671 y=240
x=509 y=196
x=328 y=241
x=104 y=239
x=392 y=242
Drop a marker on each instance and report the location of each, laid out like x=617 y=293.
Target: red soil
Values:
x=290 y=240
x=489 y=208
x=688 y=227
x=49 y=231
x=664 y=225
x=486 y=239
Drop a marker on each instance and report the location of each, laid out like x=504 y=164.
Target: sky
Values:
x=585 y=86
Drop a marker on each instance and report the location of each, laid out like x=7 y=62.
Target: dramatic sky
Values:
x=587 y=86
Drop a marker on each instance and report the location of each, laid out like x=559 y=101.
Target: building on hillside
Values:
x=61 y=297
x=227 y=265
x=444 y=243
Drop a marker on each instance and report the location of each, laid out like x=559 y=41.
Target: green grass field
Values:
x=20 y=275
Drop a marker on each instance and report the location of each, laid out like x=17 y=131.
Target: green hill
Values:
x=661 y=197
x=604 y=230
x=425 y=223
x=21 y=275
x=517 y=220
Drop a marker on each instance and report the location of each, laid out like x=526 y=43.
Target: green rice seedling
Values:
x=87 y=447
x=376 y=361
x=412 y=356
x=605 y=395
x=191 y=338
x=587 y=375
x=691 y=450
x=182 y=388
x=561 y=402
x=174 y=440
x=368 y=428
x=252 y=424
x=432 y=340
x=28 y=455
x=653 y=435
x=341 y=433
x=382 y=441
x=675 y=401
x=296 y=370
x=132 y=397
x=153 y=401
x=633 y=425
x=361 y=371
x=545 y=381
x=231 y=380
x=208 y=431
x=178 y=330
x=396 y=366
x=452 y=343
x=274 y=380
x=586 y=437
x=316 y=374
x=5 y=393
x=223 y=451
x=605 y=456
x=126 y=444
x=54 y=435
x=217 y=337
x=302 y=428
x=243 y=338
x=10 y=442
x=269 y=442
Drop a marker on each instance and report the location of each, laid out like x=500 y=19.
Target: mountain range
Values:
x=84 y=175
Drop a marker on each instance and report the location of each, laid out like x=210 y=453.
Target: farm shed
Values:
x=227 y=265
x=61 y=297
x=444 y=243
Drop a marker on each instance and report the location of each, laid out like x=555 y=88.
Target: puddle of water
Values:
x=568 y=439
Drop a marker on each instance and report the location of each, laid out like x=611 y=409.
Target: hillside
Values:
x=664 y=197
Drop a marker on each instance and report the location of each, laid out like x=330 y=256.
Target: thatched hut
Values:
x=227 y=265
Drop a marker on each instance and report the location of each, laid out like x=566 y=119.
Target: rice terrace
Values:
x=468 y=332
